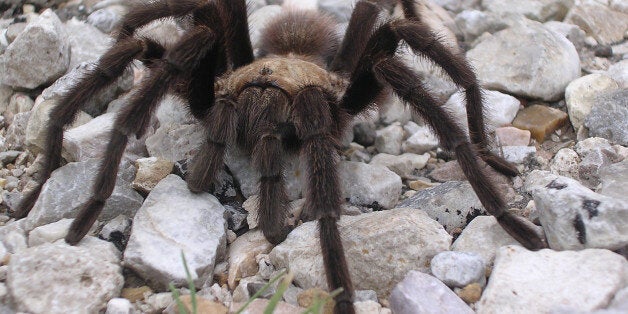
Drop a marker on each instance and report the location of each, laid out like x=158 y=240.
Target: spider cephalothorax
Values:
x=297 y=98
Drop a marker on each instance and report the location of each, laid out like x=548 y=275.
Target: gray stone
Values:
x=394 y=110
x=16 y=132
x=619 y=73
x=435 y=297
x=49 y=233
x=174 y=220
x=572 y=32
x=59 y=278
x=107 y=19
x=518 y=154
x=404 y=165
x=175 y=142
x=381 y=247
x=597 y=20
x=453 y=204
x=242 y=256
x=388 y=140
x=119 y=306
x=86 y=41
x=580 y=95
x=574 y=217
x=421 y=141
x=13 y=237
x=565 y=163
x=538 y=282
x=89 y=140
x=39 y=55
x=458 y=269
x=69 y=187
x=594 y=153
x=118 y=225
x=609 y=117
x=539 y=64
x=483 y=236
x=369 y=185
x=539 y=10
x=614 y=179
x=149 y=172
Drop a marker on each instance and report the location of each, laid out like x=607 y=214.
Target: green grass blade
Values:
x=258 y=293
x=177 y=297
x=281 y=289
x=191 y=285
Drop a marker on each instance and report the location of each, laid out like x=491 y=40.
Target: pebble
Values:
x=435 y=296
x=388 y=140
x=405 y=165
x=609 y=117
x=619 y=73
x=89 y=275
x=70 y=187
x=614 y=179
x=540 y=120
x=87 y=42
x=420 y=142
x=539 y=10
x=539 y=64
x=173 y=220
x=458 y=269
x=605 y=25
x=470 y=293
x=380 y=247
x=523 y=281
x=242 y=253
x=518 y=154
x=574 y=217
x=39 y=55
x=136 y=294
x=119 y=306
x=369 y=185
x=511 y=136
x=106 y=19
x=49 y=233
x=483 y=236
x=594 y=153
x=149 y=172
x=572 y=32
x=565 y=163
x=500 y=109
x=580 y=95
x=115 y=227
x=453 y=204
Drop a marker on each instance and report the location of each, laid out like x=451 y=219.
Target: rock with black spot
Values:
x=453 y=204
x=574 y=217
x=369 y=185
x=59 y=278
x=524 y=282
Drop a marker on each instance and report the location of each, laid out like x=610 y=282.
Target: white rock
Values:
x=607 y=26
x=394 y=110
x=242 y=253
x=119 y=306
x=619 y=73
x=458 y=269
x=614 y=179
x=175 y=142
x=421 y=141
x=435 y=297
x=595 y=153
x=453 y=204
x=580 y=95
x=537 y=282
x=49 y=233
x=483 y=236
x=119 y=224
x=540 y=10
x=574 y=217
x=69 y=187
x=86 y=41
x=13 y=237
x=518 y=154
x=369 y=185
x=149 y=172
x=39 y=55
x=89 y=140
x=499 y=109
x=367 y=307
x=174 y=220
x=565 y=163
x=59 y=278
x=404 y=165
x=107 y=18
x=381 y=247
x=609 y=117
x=539 y=64
x=572 y=32
x=388 y=140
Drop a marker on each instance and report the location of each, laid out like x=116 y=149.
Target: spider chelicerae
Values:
x=297 y=97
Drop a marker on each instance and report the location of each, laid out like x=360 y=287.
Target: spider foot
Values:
x=26 y=204
x=344 y=307
x=500 y=164
x=276 y=236
x=524 y=231
x=84 y=221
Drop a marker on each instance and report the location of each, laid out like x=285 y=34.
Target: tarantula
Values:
x=298 y=97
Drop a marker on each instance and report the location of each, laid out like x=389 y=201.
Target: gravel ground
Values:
x=555 y=79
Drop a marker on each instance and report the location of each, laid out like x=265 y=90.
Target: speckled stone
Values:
x=540 y=120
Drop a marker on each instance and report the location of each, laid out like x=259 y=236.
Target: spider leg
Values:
x=145 y=12
x=135 y=117
x=110 y=66
x=263 y=109
x=422 y=41
x=319 y=151
x=407 y=86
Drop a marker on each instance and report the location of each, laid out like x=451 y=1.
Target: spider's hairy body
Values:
x=297 y=97
x=289 y=73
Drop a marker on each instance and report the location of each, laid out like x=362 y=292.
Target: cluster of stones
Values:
x=417 y=239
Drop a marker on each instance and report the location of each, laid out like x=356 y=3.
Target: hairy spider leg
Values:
x=315 y=122
x=144 y=12
x=135 y=117
x=110 y=66
x=407 y=85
